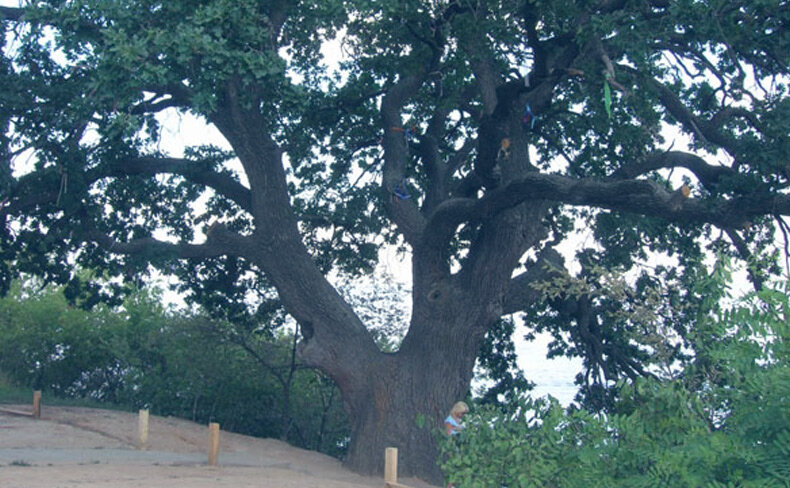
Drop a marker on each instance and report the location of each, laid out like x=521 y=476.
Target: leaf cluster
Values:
x=723 y=422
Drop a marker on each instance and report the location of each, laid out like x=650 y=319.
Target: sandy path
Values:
x=82 y=447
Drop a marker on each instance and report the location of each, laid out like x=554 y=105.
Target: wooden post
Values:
x=213 y=451
x=391 y=465
x=37 y=404
x=391 y=468
x=142 y=429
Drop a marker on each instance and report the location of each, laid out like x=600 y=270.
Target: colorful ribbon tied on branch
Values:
x=504 y=150
x=410 y=133
x=401 y=192
x=529 y=118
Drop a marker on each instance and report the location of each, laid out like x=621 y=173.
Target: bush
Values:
x=723 y=422
x=174 y=363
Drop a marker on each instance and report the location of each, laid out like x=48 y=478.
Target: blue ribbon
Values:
x=529 y=117
x=400 y=191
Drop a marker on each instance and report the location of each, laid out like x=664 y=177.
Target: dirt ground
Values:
x=73 y=447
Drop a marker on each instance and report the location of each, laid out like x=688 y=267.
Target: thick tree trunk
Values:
x=401 y=403
x=400 y=400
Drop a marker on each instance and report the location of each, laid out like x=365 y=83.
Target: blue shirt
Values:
x=456 y=427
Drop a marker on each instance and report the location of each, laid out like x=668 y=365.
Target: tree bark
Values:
x=400 y=401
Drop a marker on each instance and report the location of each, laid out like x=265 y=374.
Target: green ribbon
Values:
x=607 y=96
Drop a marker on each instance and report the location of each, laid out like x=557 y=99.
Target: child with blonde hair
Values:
x=452 y=424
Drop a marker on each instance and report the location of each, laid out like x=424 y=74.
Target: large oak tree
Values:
x=471 y=132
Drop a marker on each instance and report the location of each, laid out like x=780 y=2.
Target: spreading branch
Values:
x=643 y=197
x=194 y=171
x=522 y=294
x=633 y=196
x=705 y=130
x=11 y=13
x=709 y=175
x=219 y=242
x=38 y=189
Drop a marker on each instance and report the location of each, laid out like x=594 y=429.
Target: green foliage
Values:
x=9 y=393
x=724 y=421
x=90 y=83
x=108 y=68
x=641 y=326
x=48 y=343
x=633 y=99
x=180 y=364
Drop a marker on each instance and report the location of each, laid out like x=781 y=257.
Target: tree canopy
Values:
x=473 y=133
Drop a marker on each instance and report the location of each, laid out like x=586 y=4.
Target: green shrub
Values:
x=174 y=363
x=10 y=393
x=723 y=422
